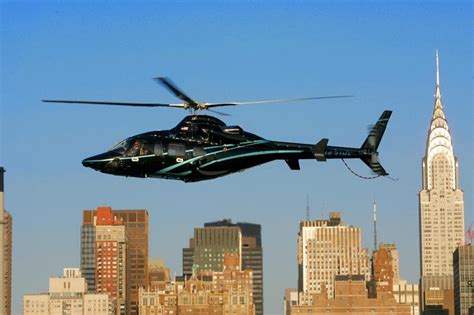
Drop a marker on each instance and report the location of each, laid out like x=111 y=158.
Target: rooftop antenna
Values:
x=375 y=224
x=308 y=217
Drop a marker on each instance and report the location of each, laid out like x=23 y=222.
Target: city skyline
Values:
x=382 y=54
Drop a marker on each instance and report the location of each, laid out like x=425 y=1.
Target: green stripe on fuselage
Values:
x=225 y=146
x=251 y=154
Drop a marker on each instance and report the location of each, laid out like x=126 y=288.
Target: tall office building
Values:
x=441 y=205
x=111 y=274
x=6 y=228
x=223 y=236
x=463 y=269
x=67 y=295
x=327 y=248
x=136 y=224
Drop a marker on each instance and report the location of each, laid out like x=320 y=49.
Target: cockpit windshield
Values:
x=132 y=147
x=122 y=144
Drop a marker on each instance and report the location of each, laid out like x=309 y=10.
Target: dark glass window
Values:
x=175 y=149
x=158 y=149
x=198 y=151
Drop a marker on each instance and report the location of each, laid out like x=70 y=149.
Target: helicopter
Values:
x=203 y=147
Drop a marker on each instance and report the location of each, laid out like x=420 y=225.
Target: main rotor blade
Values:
x=217 y=112
x=283 y=100
x=115 y=103
x=173 y=88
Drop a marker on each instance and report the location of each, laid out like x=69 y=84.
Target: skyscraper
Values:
x=111 y=251
x=441 y=205
x=225 y=236
x=327 y=248
x=6 y=226
x=463 y=259
x=136 y=224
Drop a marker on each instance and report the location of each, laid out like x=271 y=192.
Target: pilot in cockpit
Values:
x=135 y=149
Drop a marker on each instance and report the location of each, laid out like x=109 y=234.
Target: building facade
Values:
x=252 y=256
x=382 y=263
x=327 y=248
x=463 y=269
x=215 y=238
x=67 y=295
x=6 y=230
x=158 y=273
x=392 y=249
x=441 y=202
x=351 y=297
x=407 y=294
x=136 y=224
x=227 y=292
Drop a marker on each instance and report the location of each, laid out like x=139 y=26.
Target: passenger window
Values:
x=158 y=149
x=198 y=151
x=175 y=149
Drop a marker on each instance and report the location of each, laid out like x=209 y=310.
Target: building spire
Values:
x=438 y=109
x=439 y=140
x=437 y=68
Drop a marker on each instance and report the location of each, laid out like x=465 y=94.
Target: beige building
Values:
x=6 y=228
x=407 y=294
x=227 y=292
x=67 y=295
x=441 y=203
x=327 y=248
x=158 y=272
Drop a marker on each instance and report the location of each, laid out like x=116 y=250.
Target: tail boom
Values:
x=367 y=152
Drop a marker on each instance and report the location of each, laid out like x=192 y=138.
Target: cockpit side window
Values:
x=137 y=148
x=175 y=149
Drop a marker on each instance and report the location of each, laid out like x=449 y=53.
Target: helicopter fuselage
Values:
x=203 y=147
x=199 y=148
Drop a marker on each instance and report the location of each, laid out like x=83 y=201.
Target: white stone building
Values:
x=67 y=295
x=327 y=248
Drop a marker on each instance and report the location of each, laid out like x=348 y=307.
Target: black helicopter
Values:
x=203 y=147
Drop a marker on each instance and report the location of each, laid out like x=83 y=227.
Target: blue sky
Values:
x=382 y=52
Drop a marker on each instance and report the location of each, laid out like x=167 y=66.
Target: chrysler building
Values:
x=441 y=200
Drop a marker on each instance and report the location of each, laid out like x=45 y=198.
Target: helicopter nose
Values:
x=97 y=162
x=87 y=163
x=107 y=162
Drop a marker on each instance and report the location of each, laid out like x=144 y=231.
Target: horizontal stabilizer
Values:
x=375 y=166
